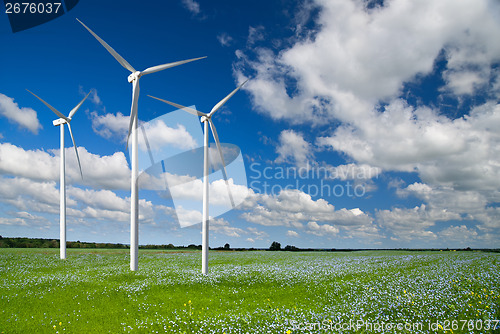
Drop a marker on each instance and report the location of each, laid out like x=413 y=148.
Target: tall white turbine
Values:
x=206 y=119
x=134 y=188
x=62 y=185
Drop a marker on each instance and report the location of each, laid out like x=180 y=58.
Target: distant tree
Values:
x=291 y=248
x=227 y=247
x=275 y=246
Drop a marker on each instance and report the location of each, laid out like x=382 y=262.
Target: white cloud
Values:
x=102 y=199
x=461 y=234
x=26 y=195
x=463 y=82
x=224 y=39
x=359 y=56
x=446 y=198
x=458 y=153
x=353 y=70
x=350 y=172
x=410 y=224
x=110 y=172
x=30 y=196
x=294 y=149
x=159 y=134
x=321 y=230
x=192 y=6
x=33 y=164
x=294 y=208
x=93 y=97
x=292 y=234
x=255 y=34
x=222 y=226
x=110 y=125
x=12 y=221
x=24 y=117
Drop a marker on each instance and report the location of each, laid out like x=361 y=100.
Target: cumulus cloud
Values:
x=110 y=125
x=350 y=172
x=222 y=226
x=296 y=209
x=24 y=117
x=456 y=153
x=30 y=196
x=159 y=134
x=352 y=70
x=358 y=56
x=109 y=172
x=321 y=230
x=461 y=234
x=410 y=224
x=293 y=149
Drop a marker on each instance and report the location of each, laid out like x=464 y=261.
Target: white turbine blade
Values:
x=189 y=110
x=75 y=109
x=224 y=173
x=133 y=108
x=51 y=107
x=224 y=100
x=169 y=65
x=147 y=145
x=115 y=54
x=76 y=150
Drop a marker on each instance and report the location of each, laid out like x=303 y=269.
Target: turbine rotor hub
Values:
x=134 y=76
x=204 y=119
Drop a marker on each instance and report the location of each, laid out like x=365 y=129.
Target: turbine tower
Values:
x=133 y=78
x=62 y=184
x=206 y=119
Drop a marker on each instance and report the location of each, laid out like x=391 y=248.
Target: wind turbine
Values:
x=133 y=78
x=62 y=184
x=206 y=119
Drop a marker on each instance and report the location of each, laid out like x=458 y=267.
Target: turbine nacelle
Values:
x=204 y=119
x=65 y=120
x=133 y=76
x=59 y=121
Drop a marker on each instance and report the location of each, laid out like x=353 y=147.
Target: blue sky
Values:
x=390 y=110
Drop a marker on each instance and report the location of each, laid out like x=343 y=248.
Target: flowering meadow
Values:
x=93 y=291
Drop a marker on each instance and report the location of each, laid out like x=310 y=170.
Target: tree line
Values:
x=275 y=246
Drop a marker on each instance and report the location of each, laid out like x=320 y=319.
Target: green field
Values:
x=93 y=291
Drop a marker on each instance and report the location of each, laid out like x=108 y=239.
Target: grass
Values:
x=93 y=291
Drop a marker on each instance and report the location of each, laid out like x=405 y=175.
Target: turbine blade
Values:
x=224 y=100
x=169 y=65
x=76 y=150
x=133 y=108
x=75 y=109
x=224 y=173
x=189 y=110
x=147 y=145
x=51 y=107
x=115 y=54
